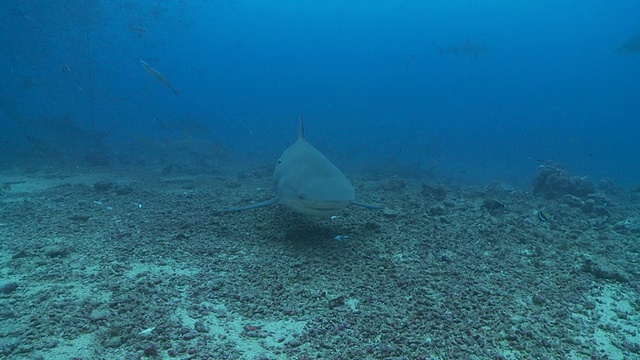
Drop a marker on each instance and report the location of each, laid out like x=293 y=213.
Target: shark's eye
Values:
x=279 y=161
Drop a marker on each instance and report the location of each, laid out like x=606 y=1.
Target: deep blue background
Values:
x=372 y=87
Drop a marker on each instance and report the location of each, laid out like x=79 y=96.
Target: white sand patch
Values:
x=617 y=321
x=26 y=184
x=162 y=270
x=231 y=326
x=81 y=347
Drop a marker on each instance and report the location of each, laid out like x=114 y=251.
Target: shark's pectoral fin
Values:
x=254 y=206
x=368 y=206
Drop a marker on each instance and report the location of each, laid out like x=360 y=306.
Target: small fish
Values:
x=65 y=68
x=161 y=78
x=138 y=30
x=541 y=215
x=341 y=237
x=467 y=48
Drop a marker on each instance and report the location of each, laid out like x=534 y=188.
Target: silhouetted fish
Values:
x=631 y=46
x=466 y=48
x=161 y=79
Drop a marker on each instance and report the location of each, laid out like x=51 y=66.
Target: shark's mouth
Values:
x=317 y=207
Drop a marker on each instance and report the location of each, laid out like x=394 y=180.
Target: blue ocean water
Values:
x=375 y=91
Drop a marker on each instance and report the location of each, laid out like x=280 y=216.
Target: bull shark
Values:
x=467 y=48
x=306 y=182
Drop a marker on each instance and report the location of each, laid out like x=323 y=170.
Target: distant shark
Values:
x=467 y=48
x=631 y=46
x=306 y=182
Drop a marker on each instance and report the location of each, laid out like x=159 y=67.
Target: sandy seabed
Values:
x=124 y=265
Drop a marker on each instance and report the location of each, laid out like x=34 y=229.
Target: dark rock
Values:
x=538 y=299
x=336 y=302
x=55 y=251
x=123 y=190
x=394 y=183
x=372 y=226
x=493 y=205
x=552 y=182
x=437 y=210
x=8 y=288
x=21 y=254
x=200 y=327
x=150 y=352
x=293 y=343
x=190 y=335
x=446 y=258
x=102 y=186
x=437 y=193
